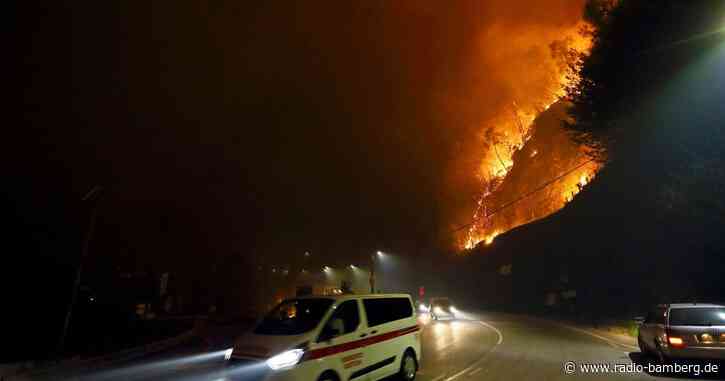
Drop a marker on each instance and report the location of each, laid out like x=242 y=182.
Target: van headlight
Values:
x=285 y=359
x=228 y=353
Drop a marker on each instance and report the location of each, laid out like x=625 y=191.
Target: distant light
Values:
x=274 y=270
x=228 y=353
x=353 y=267
x=307 y=253
x=380 y=253
x=326 y=268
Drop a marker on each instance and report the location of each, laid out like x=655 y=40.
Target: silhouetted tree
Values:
x=637 y=46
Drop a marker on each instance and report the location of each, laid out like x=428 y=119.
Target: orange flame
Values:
x=509 y=135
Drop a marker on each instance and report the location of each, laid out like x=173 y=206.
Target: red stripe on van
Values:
x=335 y=349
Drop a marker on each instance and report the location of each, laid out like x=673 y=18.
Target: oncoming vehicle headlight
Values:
x=438 y=310
x=285 y=359
x=423 y=308
x=228 y=353
x=453 y=309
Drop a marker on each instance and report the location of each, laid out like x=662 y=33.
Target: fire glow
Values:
x=549 y=168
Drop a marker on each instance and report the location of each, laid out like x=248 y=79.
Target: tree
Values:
x=637 y=46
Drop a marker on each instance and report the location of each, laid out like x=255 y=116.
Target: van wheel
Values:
x=328 y=376
x=660 y=355
x=408 y=367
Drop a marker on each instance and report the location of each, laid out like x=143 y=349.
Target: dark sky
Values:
x=247 y=127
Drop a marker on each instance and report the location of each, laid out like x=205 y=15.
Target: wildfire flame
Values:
x=507 y=136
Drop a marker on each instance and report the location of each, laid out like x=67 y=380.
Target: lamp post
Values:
x=372 y=270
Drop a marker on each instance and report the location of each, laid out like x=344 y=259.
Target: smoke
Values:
x=343 y=125
x=436 y=96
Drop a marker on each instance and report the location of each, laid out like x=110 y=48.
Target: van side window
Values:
x=345 y=319
x=383 y=310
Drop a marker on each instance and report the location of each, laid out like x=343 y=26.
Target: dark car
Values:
x=684 y=330
x=441 y=308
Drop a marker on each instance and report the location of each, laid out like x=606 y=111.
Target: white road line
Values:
x=475 y=371
x=439 y=377
x=610 y=342
x=500 y=335
x=477 y=362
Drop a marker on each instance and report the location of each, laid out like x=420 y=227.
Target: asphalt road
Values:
x=482 y=346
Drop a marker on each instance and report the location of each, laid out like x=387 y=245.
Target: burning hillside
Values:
x=546 y=173
x=528 y=167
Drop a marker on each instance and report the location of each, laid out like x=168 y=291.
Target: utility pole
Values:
x=372 y=271
x=91 y=197
x=372 y=274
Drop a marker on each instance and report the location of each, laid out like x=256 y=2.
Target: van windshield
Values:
x=293 y=317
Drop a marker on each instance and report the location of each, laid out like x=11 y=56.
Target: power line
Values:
x=525 y=195
x=544 y=185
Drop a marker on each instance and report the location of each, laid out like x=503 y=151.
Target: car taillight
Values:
x=675 y=341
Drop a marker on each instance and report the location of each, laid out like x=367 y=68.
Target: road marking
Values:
x=475 y=371
x=500 y=335
x=610 y=342
x=439 y=377
x=483 y=357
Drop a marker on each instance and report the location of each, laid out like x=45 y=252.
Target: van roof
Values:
x=353 y=296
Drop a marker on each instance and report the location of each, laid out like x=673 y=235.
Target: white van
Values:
x=331 y=338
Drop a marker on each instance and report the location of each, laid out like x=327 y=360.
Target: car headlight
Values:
x=438 y=310
x=285 y=359
x=453 y=309
x=228 y=353
x=423 y=308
